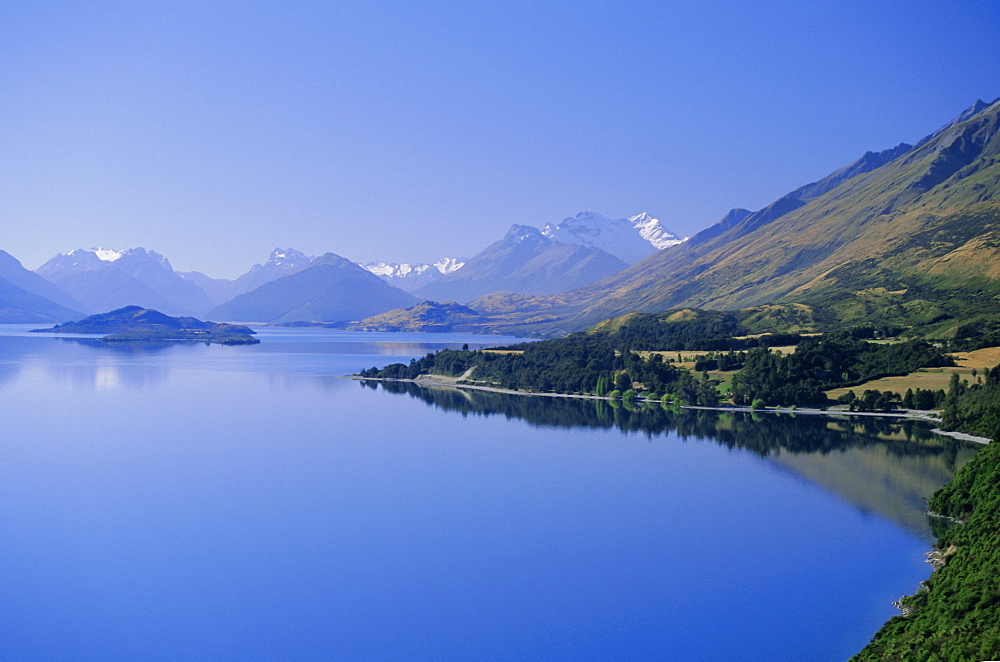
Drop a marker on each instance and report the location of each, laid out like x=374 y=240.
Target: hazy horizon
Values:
x=212 y=133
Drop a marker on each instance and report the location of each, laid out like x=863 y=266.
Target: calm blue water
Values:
x=233 y=503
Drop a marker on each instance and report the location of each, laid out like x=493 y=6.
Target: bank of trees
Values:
x=973 y=407
x=580 y=363
x=822 y=363
x=595 y=364
x=956 y=613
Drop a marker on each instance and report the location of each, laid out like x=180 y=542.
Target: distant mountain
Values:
x=409 y=277
x=330 y=289
x=629 y=239
x=104 y=279
x=281 y=262
x=526 y=262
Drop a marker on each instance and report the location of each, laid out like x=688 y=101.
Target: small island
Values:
x=135 y=323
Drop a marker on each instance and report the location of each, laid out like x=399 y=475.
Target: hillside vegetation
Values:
x=955 y=615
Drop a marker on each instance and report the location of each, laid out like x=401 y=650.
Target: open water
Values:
x=186 y=501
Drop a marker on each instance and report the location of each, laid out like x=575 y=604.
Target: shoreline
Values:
x=440 y=381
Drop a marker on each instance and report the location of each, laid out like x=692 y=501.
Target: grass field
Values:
x=930 y=378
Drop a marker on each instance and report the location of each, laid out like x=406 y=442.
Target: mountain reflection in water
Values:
x=888 y=466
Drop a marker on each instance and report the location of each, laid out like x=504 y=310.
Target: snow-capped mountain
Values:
x=104 y=279
x=408 y=277
x=630 y=239
x=281 y=262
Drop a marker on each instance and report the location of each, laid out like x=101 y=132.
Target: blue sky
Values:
x=212 y=132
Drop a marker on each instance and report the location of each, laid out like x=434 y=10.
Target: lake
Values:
x=187 y=501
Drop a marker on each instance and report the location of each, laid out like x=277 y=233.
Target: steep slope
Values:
x=922 y=222
x=18 y=306
x=525 y=262
x=330 y=289
x=14 y=273
x=628 y=239
x=104 y=280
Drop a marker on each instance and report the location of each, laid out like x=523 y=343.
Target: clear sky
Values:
x=212 y=132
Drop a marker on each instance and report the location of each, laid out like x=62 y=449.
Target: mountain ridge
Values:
x=104 y=279
x=330 y=289
x=523 y=261
x=907 y=236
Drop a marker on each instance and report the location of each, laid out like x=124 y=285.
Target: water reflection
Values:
x=887 y=466
x=86 y=363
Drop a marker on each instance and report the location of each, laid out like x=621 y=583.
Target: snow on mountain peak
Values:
x=653 y=231
x=285 y=256
x=411 y=276
x=95 y=256
x=107 y=255
x=449 y=264
x=630 y=239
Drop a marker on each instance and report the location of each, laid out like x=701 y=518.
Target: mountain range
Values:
x=103 y=280
x=908 y=236
x=409 y=277
x=525 y=262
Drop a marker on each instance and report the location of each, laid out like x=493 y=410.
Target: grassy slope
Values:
x=896 y=223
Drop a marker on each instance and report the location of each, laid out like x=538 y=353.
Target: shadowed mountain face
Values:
x=26 y=297
x=330 y=289
x=13 y=272
x=524 y=262
x=906 y=235
x=18 y=306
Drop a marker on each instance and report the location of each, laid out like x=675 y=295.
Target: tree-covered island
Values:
x=134 y=323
